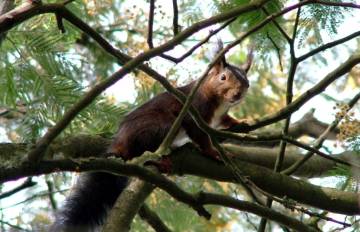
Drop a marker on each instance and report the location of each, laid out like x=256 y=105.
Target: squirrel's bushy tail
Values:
x=86 y=208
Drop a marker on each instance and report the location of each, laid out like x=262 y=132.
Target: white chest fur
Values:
x=219 y=112
x=182 y=138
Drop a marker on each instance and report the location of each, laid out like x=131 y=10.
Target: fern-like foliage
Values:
x=44 y=75
x=316 y=18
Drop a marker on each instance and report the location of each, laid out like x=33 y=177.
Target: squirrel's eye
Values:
x=223 y=77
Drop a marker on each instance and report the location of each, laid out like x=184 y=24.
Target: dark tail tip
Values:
x=86 y=207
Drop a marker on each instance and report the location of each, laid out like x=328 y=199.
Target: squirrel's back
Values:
x=143 y=130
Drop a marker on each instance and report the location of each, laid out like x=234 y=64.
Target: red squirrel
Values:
x=143 y=130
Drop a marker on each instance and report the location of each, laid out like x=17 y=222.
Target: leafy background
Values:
x=43 y=72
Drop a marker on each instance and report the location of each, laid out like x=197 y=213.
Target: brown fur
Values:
x=143 y=130
x=145 y=127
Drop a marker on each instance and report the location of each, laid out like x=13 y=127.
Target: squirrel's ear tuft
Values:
x=247 y=65
x=220 y=47
x=217 y=68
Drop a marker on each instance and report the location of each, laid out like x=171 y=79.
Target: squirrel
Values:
x=143 y=130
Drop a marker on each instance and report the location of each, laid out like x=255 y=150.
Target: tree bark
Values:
x=188 y=160
x=127 y=205
x=5 y=6
x=95 y=146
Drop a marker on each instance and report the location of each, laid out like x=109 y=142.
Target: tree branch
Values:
x=274 y=183
x=26 y=184
x=127 y=205
x=152 y=219
x=86 y=146
x=328 y=45
x=277 y=25
x=320 y=153
x=5 y=6
x=308 y=125
x=216 y=199
x=175 y=17
x=188 y=160
x=138 y=190
x=151 y=24
x=196 y=46
x=16 y=227
x=320 y=140
x=310 y=93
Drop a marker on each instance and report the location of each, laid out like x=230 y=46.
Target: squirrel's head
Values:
x=227 y=82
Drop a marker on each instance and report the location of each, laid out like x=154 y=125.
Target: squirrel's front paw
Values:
x=164 y=164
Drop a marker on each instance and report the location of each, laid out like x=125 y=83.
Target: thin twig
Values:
x=328 y=45
x=151 y=24
x=152 y=219
x=307 y=95
x=245 y=182
x=277 y=48
x=320 y=216
x=19 y=228
x=26 y=184
x=320 y=153
x=50 y=186
x=60 y=23
x=201 y=42
x=33 y=197
x=175 y=17
x=277 y=25
x=215 y=199
x=320 y=140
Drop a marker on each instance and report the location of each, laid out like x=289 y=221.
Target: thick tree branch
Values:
x=266 y=157
x=138 y=190
x=127 y=205
x=308 y=125
x=88 y=145
x=274 y=183
x=188 y=160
